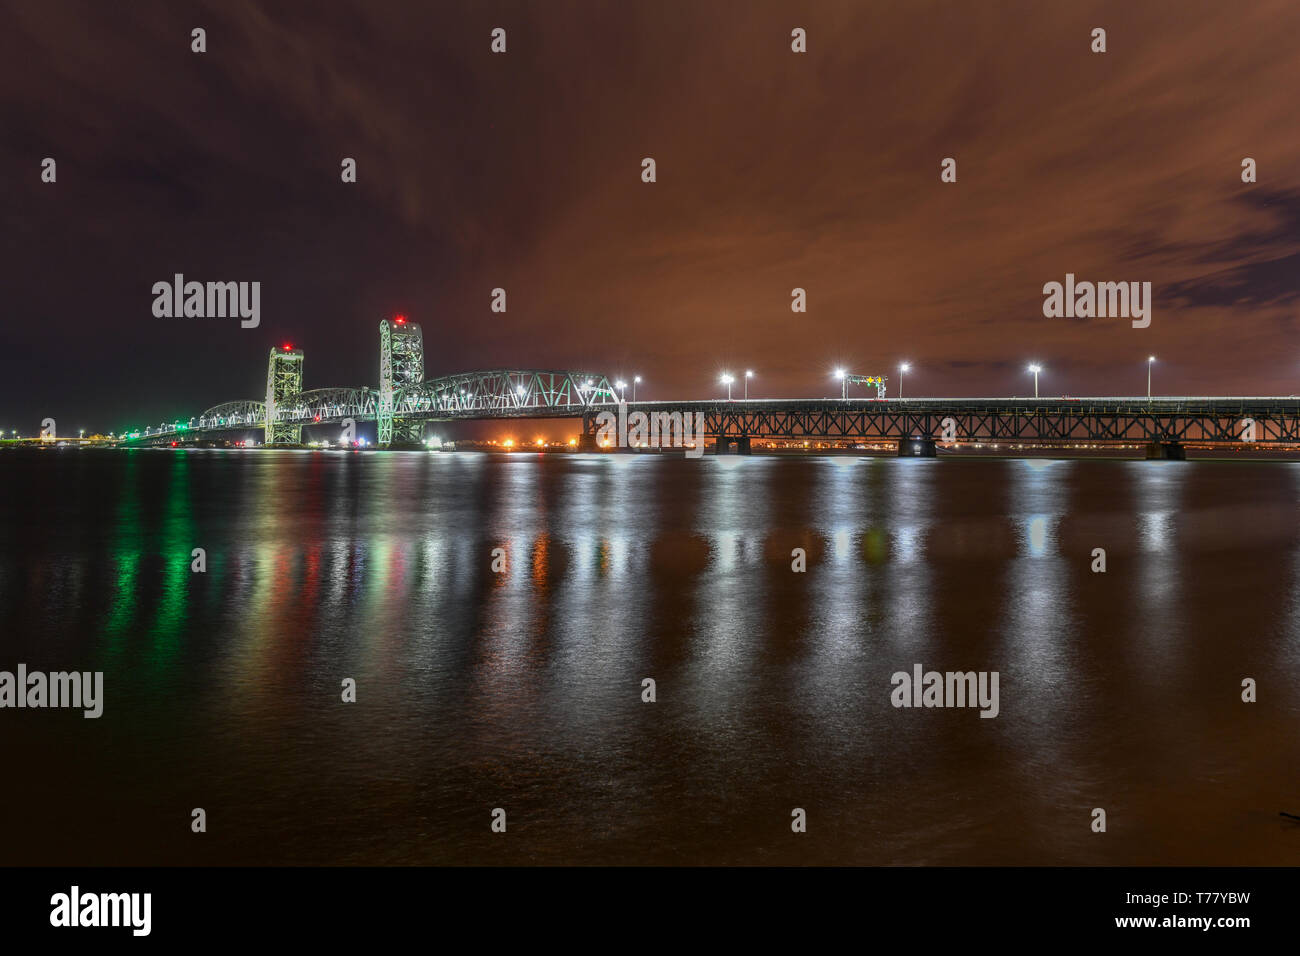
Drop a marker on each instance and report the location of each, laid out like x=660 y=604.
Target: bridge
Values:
x=918 y=426
x=400 y=405
x=405 y=400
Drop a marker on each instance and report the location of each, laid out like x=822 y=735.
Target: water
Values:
x=522 y=690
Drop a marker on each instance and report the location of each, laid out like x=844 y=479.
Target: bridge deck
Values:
x=1264 y=419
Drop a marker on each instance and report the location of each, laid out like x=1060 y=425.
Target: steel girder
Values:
x=231 y=415
x=505 y=393
x=329 y=405
x=473 y=395
x=1102 y=421
x=224 y=417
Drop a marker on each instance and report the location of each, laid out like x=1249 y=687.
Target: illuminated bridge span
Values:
x=1164 y=425
x=402 y=403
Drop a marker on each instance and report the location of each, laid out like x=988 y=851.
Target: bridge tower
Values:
x=401 y=363
x=283 y=380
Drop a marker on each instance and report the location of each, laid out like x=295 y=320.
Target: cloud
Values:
x=775 y=170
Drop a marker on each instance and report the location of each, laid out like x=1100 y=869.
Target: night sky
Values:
x=523 y=171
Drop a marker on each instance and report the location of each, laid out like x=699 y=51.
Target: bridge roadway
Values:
x=405 y=400
x=467 y=396
x=916 y=423
x=1164 y=424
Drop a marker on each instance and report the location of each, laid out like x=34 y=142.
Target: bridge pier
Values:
x=407 y=433
x=917 y=448
x=283 y=382
x=401 y=365
x=1166 y=451
x=587 y=442
x=722 y=445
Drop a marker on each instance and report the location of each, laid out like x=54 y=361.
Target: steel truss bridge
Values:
x=402 y=403
x=405 y=400
x=917 y=425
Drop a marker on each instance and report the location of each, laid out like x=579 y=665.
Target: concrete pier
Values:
x=1166 y=451
x=917 y=448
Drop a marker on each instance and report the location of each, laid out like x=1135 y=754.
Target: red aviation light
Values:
x=400 y=320
x=288 y=347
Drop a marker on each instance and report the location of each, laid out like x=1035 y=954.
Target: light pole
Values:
x=844 y=383
x=902 y=370
x=622 y=389
x=748 y=376
x=1151 y=360
x=1035 y=369
x=727 y=380
x=636 y=380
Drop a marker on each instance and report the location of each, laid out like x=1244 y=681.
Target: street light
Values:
x=844 y=383
x=620 y=385
x=748 y=376
x=1035 y=369
x=636 y=380
x=902 y=369
x=727 y=380
x=1151 y=360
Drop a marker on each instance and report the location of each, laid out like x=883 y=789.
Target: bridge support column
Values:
x=722 y=446
x=742 y=445
x=1166 y=451
x=283 y=381
x=406 y=433
x=917 y=448
x=587 y=443
x=401 y=365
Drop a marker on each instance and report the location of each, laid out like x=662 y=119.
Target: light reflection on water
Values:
x=523 y=688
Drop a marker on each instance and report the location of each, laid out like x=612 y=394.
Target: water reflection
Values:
x=1036 y=650
x=522 y=685
x=1158 y=495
